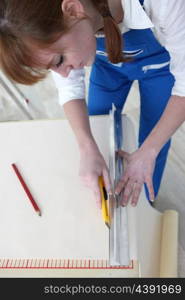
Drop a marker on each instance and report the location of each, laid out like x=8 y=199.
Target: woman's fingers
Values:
x=107 y=181
x=127 y=192
x=121 y=184
x=139 y=170
x=96 y=190
x=92 y=182
x=150 y=188
x=132 y=189
x=136 y=193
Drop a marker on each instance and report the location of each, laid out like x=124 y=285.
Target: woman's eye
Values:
x=60 y=61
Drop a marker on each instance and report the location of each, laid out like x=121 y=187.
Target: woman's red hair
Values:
x=41 y=22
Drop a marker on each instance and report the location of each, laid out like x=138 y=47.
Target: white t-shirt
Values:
x=167 y=20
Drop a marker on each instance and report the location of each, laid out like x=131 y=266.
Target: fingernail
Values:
x=152 y=200
x=110 y=193
x=134 y=204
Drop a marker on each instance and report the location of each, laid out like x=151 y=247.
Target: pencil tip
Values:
x=39 y=213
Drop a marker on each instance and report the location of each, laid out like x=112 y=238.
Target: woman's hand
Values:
x=139 y=170
x=92 y=166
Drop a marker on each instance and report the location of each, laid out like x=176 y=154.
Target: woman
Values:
x=60 y=35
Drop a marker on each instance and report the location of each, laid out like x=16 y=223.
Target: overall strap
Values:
x=141 y=1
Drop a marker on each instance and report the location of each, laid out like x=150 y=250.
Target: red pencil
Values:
x=35 y=206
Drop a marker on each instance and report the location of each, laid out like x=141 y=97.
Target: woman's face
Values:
x=74 y=50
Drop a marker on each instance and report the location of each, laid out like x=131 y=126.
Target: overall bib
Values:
x=110 y=83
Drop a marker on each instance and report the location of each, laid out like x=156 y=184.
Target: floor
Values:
x=18 y=102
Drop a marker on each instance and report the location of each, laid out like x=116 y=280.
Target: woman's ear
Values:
x=72 y=8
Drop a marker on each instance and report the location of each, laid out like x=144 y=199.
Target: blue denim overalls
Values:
x=110 y=83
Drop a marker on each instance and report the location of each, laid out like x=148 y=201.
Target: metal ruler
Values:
x=118 y=239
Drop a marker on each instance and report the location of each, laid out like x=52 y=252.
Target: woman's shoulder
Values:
x=135 y=17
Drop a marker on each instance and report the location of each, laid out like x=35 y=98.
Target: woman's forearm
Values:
x=76 y=113
x=172 y=118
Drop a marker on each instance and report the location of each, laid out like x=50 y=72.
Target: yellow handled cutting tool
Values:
x=104 y=202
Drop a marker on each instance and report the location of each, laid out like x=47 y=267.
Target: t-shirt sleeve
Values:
x=174 y=41
x=71 y=87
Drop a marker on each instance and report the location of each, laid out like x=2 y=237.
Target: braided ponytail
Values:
x=114 y=41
